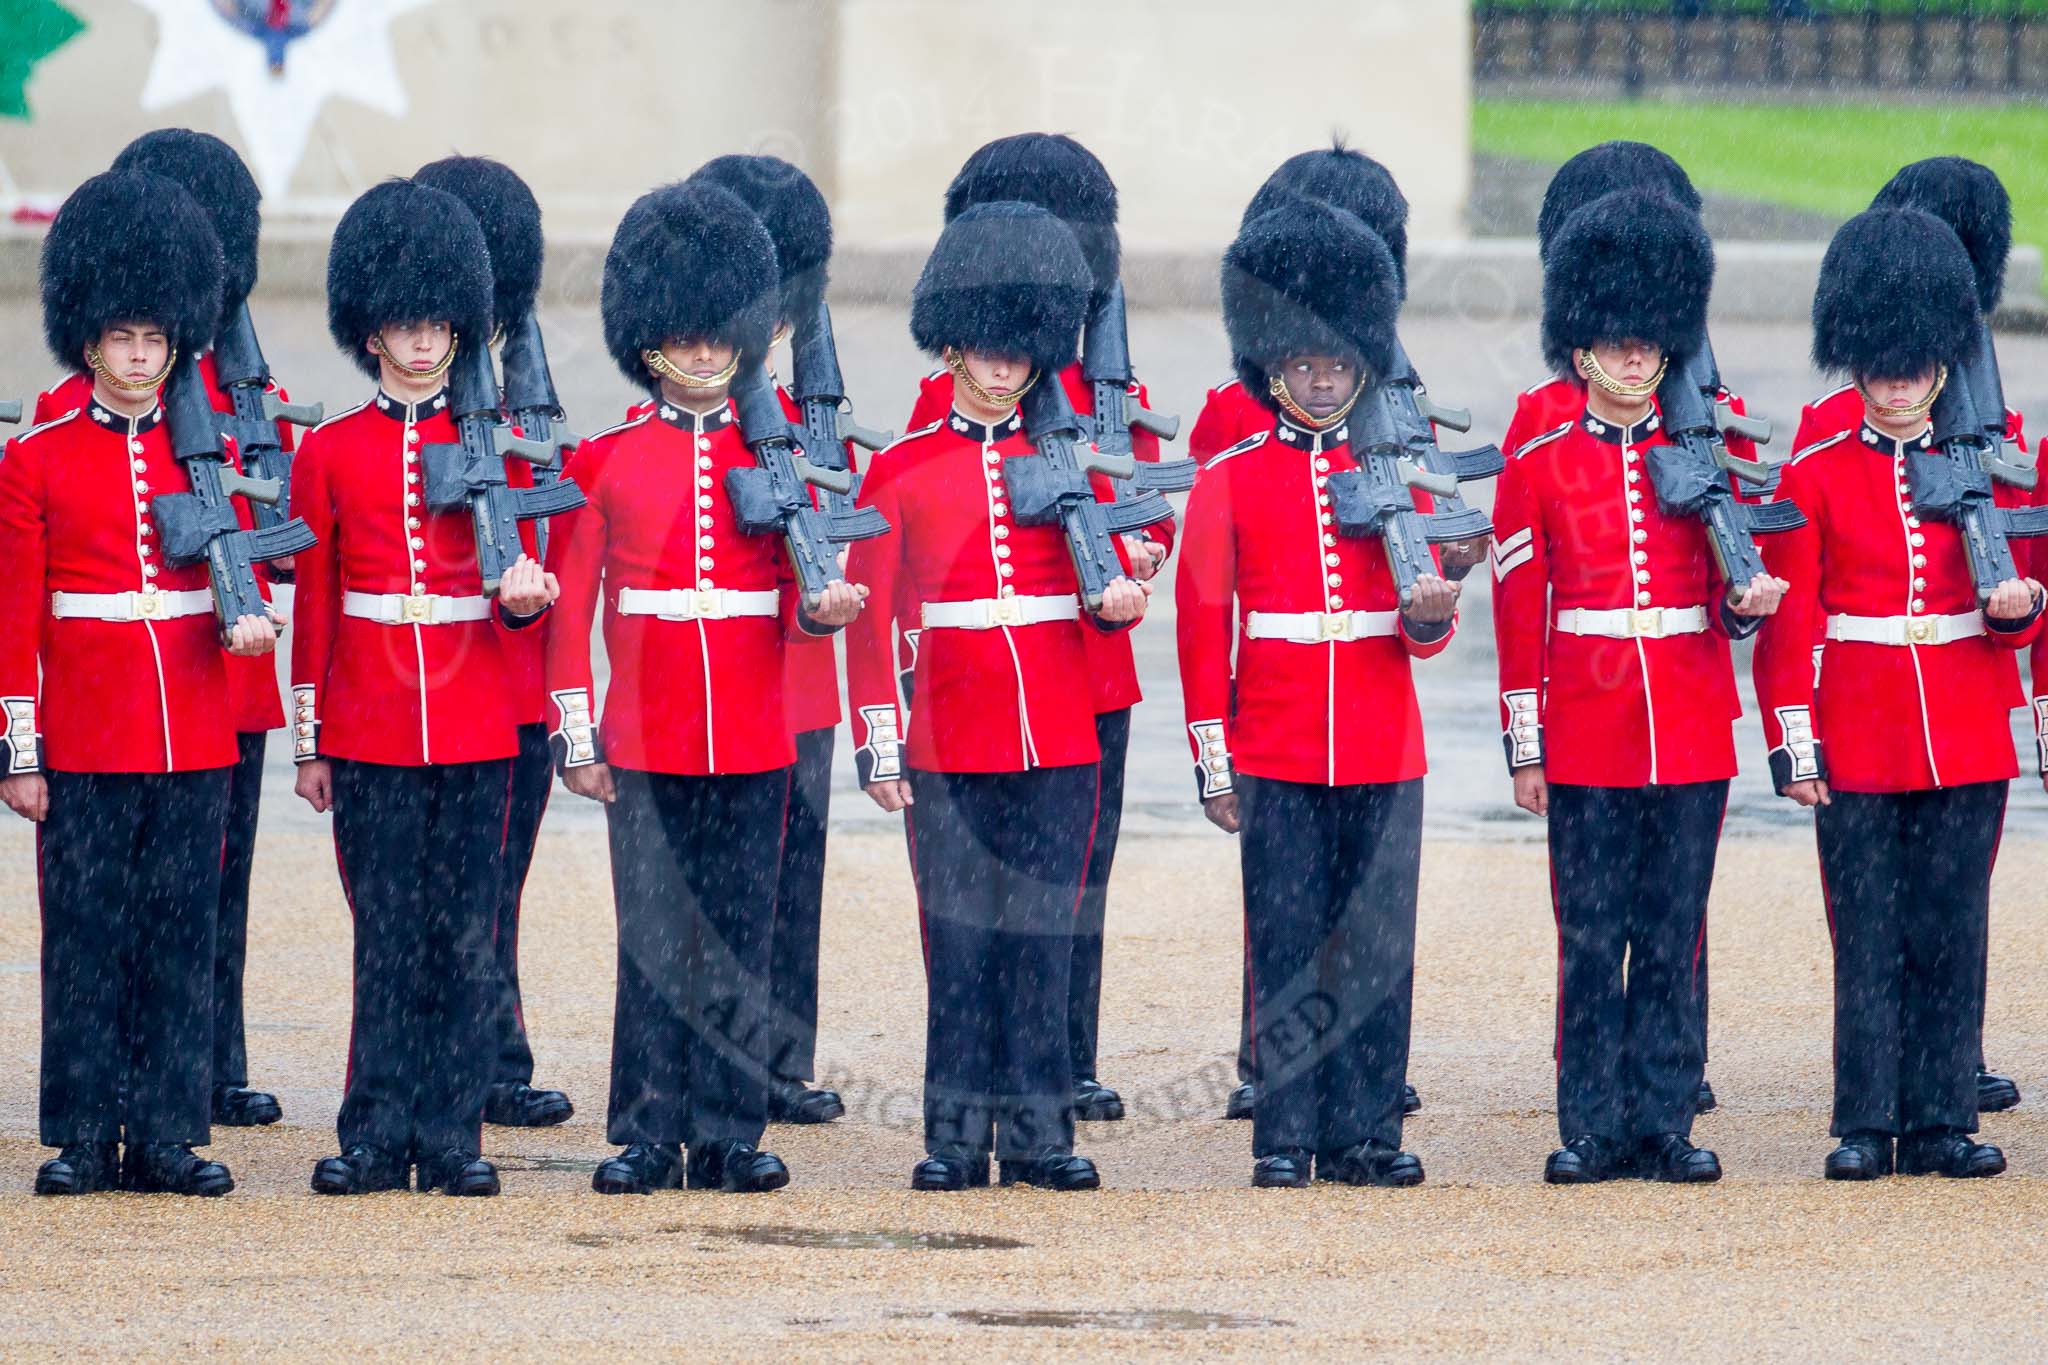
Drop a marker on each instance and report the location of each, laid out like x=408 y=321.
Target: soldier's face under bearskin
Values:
x=134 y=350
x=1627 y=362
x=408 y=350
x=1000 y=374
x=1907 y=392
x=1320 y=384
x=703 y=358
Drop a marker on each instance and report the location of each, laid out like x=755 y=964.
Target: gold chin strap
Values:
x=1919 y=409
x=156 y=381
x=1590 y=369
x=1277 y=386
x=439 y=369
x=664 y=368
x=782 y=331
x=1001 y=402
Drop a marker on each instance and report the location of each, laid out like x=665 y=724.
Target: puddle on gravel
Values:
x=846 y=1239
x=522 y=1161
x=1102 y=1319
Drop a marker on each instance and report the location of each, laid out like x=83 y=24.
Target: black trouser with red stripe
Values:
x=1329 y=890
x=799 y=907
x=999 y=859
x=1084 y=981
x=130 y=872
x=1908 y=881
x=695 y=860
x=1630 y=870
x=421 y=851
x=533 y=777
x=231 y=929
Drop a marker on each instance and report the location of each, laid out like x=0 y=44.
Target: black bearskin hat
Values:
x=1972 y=200
x=129 y=246
x=216 y=177
x=405 y=252
x=1604 y=169
x=1006 y=277
x=1059 y=175
x=688 y=260
x=1633 y=265
x=797 y=219
x=1896 y=297
x=1353 y=182
x=510 y=217
x=1308 y=278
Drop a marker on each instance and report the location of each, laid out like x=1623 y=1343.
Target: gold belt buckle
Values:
x=1920 y=630
x=1336 y=625
x=416 y=610
x=1646 y=621
x=1005 y=611
x=149 y=605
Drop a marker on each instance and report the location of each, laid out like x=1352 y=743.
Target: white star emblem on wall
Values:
x=348 y=53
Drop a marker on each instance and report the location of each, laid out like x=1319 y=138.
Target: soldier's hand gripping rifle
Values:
x=532 y=404
x=201 y=525
x=1378 y=497
x=1416 y=417
x=1690 y=475
x=471 y=471
x=826 y=422
x=774 y=497
x=244 y=377
x=1053 y=488
x=1952 y=482
x=1106 y=365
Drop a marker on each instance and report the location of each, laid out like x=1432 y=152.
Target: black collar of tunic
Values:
x=985 y=433
x=1896 y=447
x=697 y=423
x=1634 y=434
x=114 y=421
x=1309 y=438
x=410 y=412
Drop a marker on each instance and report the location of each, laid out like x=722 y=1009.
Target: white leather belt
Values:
x=1319 y=627
x=698 y=604
x=414 y=609
x=130 y=606
x=1906 y=630
x=1632 y=623
x=992 y=613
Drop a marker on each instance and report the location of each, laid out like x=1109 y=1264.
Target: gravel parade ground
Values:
x=1175 y=1254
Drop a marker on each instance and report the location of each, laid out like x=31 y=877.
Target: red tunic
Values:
x=1230 y=413
x=1110 y=662
x=810 y=666
x=994 y=700
x=692 y=696
x=411 y=694
x=1886 y=718
x=1577 y=526
x=253 y=697
x=1260 y=538
x=121 y=696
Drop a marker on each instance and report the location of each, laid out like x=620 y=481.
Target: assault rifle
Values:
x=1053 y=488
x=822 y=412
x=202 y=525
x=471 y=471
x=1690 y=475
x=1416 y=417
x=1378 y=497
x=532 y=405
x=1106 y=365
x=1951 y=482
x=244 y=377
x=774 y=498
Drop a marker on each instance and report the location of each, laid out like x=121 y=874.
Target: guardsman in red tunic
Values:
x=405 y=711
x=800 y=225
x=1617 y=690
x=506 y=210
x=998 y=769
x=1542 y=408
x=1902 y=742
x=1064 y=178
x=120 y=737
x=692 y=752
x=1231 y=412
x=1972 y=200
x=214 y=175
x=1295 y=654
